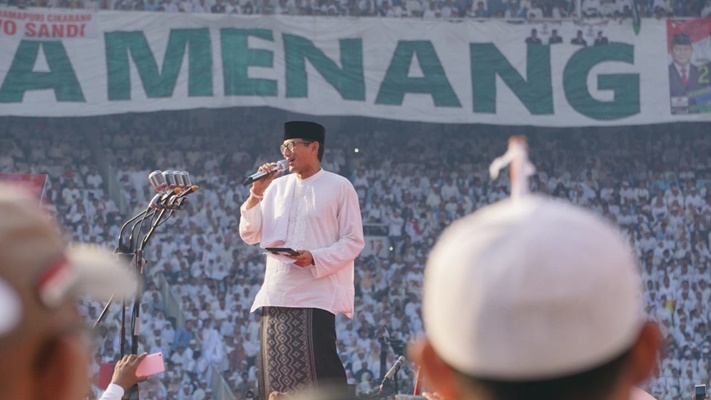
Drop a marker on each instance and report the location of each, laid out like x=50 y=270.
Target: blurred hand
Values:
x=125 y=371
x=258 y=187
x=432 y=396
x=304 y=259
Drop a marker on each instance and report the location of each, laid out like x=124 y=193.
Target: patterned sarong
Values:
x=298 y=351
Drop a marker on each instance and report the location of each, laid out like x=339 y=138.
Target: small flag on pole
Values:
x=516 y=157
x=636 y=20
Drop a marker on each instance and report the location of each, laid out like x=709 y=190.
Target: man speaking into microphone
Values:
x=316 y=214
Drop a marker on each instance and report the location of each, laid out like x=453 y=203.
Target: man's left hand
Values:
x=304 y=259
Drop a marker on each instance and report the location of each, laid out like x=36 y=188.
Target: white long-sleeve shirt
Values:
x=323 y=217
x=113 y=392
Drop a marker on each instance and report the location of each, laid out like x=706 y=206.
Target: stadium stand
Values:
x=424 y=9
x=653 y=181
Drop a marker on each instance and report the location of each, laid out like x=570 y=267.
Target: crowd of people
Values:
x=419 y=9
x=412 y=180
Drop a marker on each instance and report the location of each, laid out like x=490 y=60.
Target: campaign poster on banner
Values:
x=33 y=182
x=689 y=48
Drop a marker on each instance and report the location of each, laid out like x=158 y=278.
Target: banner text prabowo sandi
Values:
x=495 y=72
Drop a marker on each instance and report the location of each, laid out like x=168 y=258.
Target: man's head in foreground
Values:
x=44 y=353
x=537 y=299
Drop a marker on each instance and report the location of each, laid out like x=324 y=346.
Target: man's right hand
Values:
x=260 y=186
x=125 y=371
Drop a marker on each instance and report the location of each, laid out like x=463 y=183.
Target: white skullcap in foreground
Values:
x=38 y=274
x=531 y=289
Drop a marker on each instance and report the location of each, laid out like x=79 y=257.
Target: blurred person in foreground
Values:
x=44 y=352
x=316 y=213
x=534 y=298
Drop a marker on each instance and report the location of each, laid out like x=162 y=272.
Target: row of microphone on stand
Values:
x=172 y=189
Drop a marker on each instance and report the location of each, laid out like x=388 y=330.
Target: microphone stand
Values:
x=133 y=251
x=396 y=389
x=395 y=382
x=135 y=315
x=155 y=223
x=383 y=356
x=123 y=228
x=136 y=257
x=120 y=251
x=398 y=348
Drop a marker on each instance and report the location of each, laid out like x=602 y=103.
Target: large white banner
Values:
x=495 y=72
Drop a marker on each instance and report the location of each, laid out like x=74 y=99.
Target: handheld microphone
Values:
x=157 y=180
x=172 y=188
x=172 y=199
x=186 y=178
x=170 y=179
x=179 y=180
x=157 y=200
x=160 y=185
x=280 y=166
x=393 y=370
x=180 y=196
x=396 y=367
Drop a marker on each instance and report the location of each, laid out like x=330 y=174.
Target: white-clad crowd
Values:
x=412 y=179
x=419 y=9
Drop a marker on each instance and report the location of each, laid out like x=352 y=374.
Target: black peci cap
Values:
x=681 y=39
x=304 y=130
